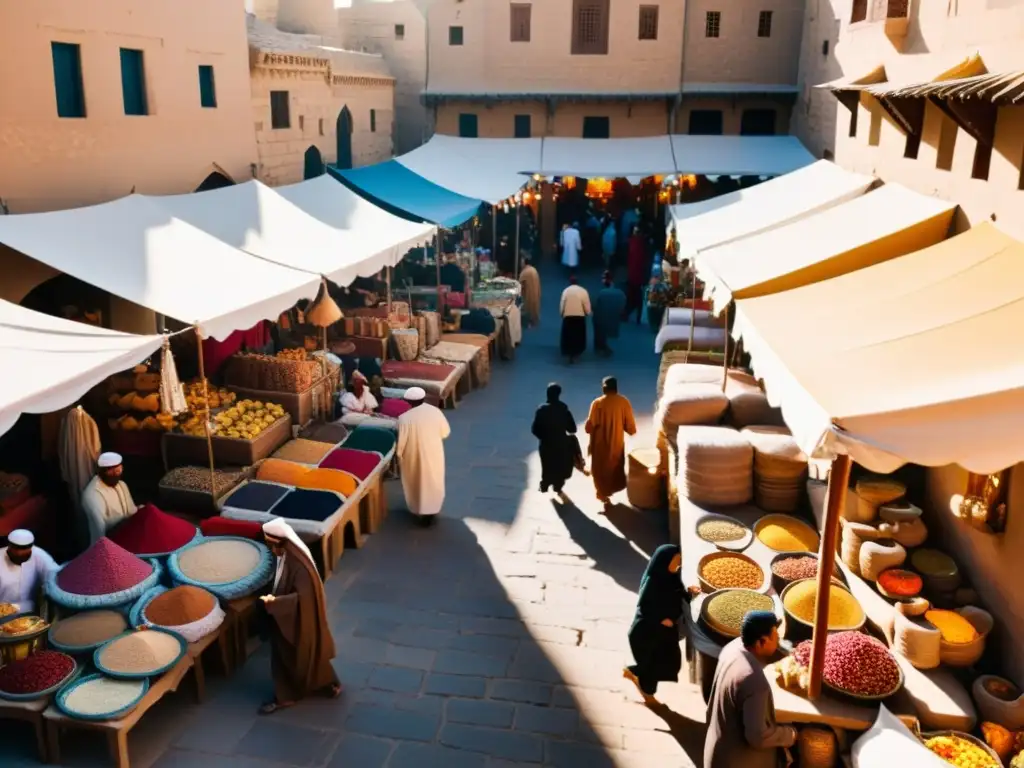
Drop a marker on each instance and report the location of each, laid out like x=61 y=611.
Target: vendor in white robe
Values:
x=421 y=435
x=571 y=246
x=23 y=569
x=106 y=500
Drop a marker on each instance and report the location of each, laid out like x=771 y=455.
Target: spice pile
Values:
x=715 y=531
x=139 y=653
x=931 y=562
x=153 y=532
x=198 y=479
x=855 y=663
x=796 y=568
x=219 y=561
x=725 y=610
x=359 y=464
x=786 y=534
x=953 y=627
x=88 y=628
x=104 y=568
x=179 y=606
x=303 y=451
x=101 y=696
x=900 y=583
x=256 y=496
x=732 y=571
x=844 y=612
x=303 y=504
x=35 y=673
x=7 y=609
x=960 y=752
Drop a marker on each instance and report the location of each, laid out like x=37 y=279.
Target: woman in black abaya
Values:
x=654 y=635
x=555 y=428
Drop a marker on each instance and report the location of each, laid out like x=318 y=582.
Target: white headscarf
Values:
x=279 y=529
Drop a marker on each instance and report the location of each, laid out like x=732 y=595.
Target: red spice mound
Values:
x=855 y=663
x=901 y=583
x=102 y=569
x=35 y=673
x=152 y=532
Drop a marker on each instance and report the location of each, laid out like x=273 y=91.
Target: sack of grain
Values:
x=748 y=404
x=688 y=404
x=715 y=465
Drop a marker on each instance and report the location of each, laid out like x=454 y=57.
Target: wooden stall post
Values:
x=838 y=479
x=206 y=412
x=725 y=355
x=515 y=274
x=387 y=282
x=437 y=267
x=693 y=314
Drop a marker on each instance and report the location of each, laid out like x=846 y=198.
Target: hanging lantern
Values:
x=600 y=188
x=569 y=182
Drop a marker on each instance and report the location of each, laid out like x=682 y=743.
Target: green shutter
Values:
x=596 y=128
x=207 y=92
x=133 y=82
x=67 y=79
x=522 y=126
x=468 y=126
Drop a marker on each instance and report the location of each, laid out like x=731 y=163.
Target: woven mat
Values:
x=451 y=352
x=476 y=339
x=393 y=370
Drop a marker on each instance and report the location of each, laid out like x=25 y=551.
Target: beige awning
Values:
x=875 y=76
x=971 y=67
x=914 y=360
x=885 y=223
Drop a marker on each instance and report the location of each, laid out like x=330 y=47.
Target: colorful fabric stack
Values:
x=151 y=532
x=359 y=464
x=103 y=576
x=312 y=512
x=393 y=408
x=374 y=439
x=330 y=480
x=257 y=496
x=223 y=526
x=281 y=471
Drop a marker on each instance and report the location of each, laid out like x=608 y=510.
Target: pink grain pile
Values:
x=104 y=568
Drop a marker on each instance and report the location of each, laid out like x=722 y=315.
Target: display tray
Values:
x=180 y=450
x=300 y=405
x=202 y=503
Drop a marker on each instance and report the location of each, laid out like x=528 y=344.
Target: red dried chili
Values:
x=35 y=673
x=901 y=583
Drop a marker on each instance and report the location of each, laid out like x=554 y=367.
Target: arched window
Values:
x=344 y=139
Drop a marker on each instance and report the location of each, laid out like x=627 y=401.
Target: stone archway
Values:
x=344 y=139
x=313 y=163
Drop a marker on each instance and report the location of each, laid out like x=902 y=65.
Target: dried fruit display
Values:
x=855 y=663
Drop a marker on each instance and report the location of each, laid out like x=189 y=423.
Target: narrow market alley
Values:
x=494 y=639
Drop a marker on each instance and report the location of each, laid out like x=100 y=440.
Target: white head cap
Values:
x=21 y=538
x=279 y=529
x=415 y=394
x=109 y=459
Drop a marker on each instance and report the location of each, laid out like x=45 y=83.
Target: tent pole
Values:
x=693 y=315
x=725 y=352
x=515 y=274
x=437 y=267
x=387 y=281
x=838 y=479
x=206 y=412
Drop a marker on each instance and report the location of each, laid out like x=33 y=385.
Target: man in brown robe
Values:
x=610 y=420
x=529 y=278
x=741 y=712
x=301 y=642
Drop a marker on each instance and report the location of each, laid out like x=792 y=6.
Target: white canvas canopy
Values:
x=888 y=222
x=491 y=170
x=608 y=158
x=49 y=362
x=374 y=238
x=135 y=249
x=258 y=220
x=739 y=155
x=917 y=359
x=771 y=204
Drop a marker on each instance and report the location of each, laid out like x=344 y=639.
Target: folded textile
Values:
x=360 y=464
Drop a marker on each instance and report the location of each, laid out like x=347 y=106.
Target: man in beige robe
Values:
x=301 y=646
x=529 y=279
x=106 y=500
x=421 y=435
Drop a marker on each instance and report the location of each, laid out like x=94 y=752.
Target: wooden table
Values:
x=195 y=651
x=29 y=712
x=116 y=730
x=234 y=632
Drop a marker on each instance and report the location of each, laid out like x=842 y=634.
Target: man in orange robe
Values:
x=610 y=420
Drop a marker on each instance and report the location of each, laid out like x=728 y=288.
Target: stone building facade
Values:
x=313 y=103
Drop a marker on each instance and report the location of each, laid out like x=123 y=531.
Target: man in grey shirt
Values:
x=742 y=731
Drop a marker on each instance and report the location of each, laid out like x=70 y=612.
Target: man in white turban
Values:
x=106 y=500
x=23 y=568
x=422 y=431
x=301 y=643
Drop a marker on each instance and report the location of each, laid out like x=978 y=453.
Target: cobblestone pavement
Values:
x=494 y=639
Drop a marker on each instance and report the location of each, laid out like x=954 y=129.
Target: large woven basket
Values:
x=645 y=484
x=817 y=748
x=406 y=343
x=873 y=492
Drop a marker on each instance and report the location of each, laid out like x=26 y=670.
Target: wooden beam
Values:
x=976 y=117
x=838 y=479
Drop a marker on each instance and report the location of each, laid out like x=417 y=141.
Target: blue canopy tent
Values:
x=394 y=187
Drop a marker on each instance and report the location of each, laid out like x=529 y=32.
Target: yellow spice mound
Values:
x=844 y=612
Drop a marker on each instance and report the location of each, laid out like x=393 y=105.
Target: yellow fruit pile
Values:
x=960 y=752
x=162 y=422
x=297 y=353
x=133 y=401
x=245 y=420
x=218 y=397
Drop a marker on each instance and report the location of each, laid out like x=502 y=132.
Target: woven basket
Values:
x=433 y=324
x=853 y=538
x=917 y=642
x=419 y=323
x=398 y=318
x=1009 y=714
x=715 y=466
x=817 y=748
x=645 y=484
x=968 y=654
x=406 y=344
x=872 y=493
x=876 y=556
x=909 y=534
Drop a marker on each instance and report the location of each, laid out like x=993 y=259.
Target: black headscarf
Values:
x=554 y=392
x=661 y=592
